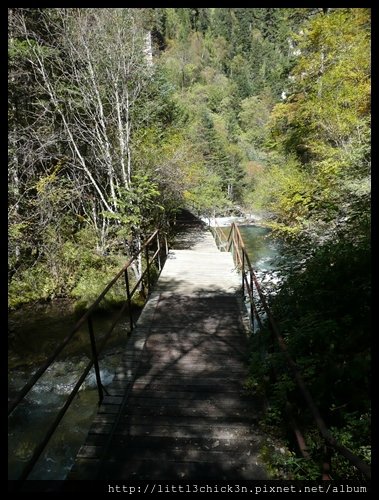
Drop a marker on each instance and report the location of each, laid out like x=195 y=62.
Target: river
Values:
x=34 y=333
x=265 y=251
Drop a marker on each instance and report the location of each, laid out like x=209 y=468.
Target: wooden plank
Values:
x=216 y=348
x=186 y=414
x=193 y=400
x=192 y=365
x=150 y=469
x=180 y=450
x=158 y=387
x=112 y=400
x=188 y=397
x=176 y=421
x=200 y=443
x=193 y=431
x=107 y=408
x=192 y=379
x=212 y=412
x=177 y=454
x=182 y=369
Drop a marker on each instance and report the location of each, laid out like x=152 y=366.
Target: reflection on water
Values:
x=34 y=335
x=264 y=251
x=261 y=247
x=267 y=259
x=29 y=422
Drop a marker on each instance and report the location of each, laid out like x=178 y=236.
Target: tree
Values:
x=95 y=101
x=78 y=79
x=325 y=121
x=36 y=149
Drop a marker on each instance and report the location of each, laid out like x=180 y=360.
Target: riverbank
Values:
x=35 y=330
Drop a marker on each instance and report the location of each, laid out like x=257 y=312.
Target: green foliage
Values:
x=286 y=465
x=285 y=189
x=214 y=71
x=254 y=117
x=136 y=207
x=167 y=157
x=19 y=50
x=275 y=464
x=92 y=283
x=35 y=283
x=291 y=466
x=323 y=313
x=355 y=435
x=59 y=272
x=324 y=122
x=206 y=197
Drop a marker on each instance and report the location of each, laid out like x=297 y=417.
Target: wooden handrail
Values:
x=94 y=361
x=237 y=244
x=80 y=322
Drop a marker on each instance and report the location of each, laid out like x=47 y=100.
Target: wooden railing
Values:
x=153 y=250
x=234 y=243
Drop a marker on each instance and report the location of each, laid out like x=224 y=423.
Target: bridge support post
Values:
x=148 y=269
x=129 y=300
x=159 y=253
x=95 y=359
x=252 y=300
x=243 y=274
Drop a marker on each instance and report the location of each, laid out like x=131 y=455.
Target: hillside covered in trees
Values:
x=119 y=117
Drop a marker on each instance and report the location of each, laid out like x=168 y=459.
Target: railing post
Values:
x=252 y=301
x=129 y=300
x=232 y=242
x=166 y=245
x=159 y=253
x=243 y=274
x=147 y=268
x=95 y=360
x=326 y=466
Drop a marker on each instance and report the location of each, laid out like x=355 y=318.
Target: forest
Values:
x=118 y=118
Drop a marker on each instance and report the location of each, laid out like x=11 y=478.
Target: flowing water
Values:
x=264 y=250
x=35 y=332
x=266 y=255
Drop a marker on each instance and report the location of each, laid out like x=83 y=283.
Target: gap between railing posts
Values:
x=221 y=240
x=159 y=256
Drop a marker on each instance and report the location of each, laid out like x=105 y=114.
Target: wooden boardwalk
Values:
x=176 y=408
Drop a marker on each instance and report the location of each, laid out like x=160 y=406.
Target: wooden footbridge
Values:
x=177 y=408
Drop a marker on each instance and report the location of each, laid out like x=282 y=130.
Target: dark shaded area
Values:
x=187 y=414
x=187 y=231
x=324 y=313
